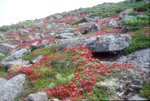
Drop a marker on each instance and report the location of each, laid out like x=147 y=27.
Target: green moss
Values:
x=3 y=73
x=78 y=21
x=42 y=51
x=1 y=57
x=139 y=41
x=107 y=27
x=146 y=90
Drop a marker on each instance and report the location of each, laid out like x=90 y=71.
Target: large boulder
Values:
x=140 y=59
x=10 y=89
x=40 y=96
x=18 y=54
x=5 y=48
x=125 y=13
x=9 y=64
x=105 y=43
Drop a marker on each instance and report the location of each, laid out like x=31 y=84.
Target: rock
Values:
x=2 y=81
x=37 y=35
x=137 y=97
x=10 y=89
x=40 y=96
x=37 y=59
x=58 y=16
x=65 y=35
x=140 y=59
x=65 y=30
x=9 y=64
x=77 y=33
x=35 y=44
x=45 y=42
x=50 y=26
x=24 y=31
x=125 y=13
x=1 y=54
x=89 y=27
x=104 y=43
x=18 y=54
x=6 y=48
x=111 y=22
x=94 y=28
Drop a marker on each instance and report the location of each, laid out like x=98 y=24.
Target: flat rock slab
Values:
x=10 y=89
x=5 y=48
x=104 y=43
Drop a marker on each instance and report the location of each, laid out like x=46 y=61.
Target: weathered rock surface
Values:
x=18 y=54
x=90 y=27
x=68 y=35
x=105 y=43
x=5 y=48
x=10 y=89
x=140 y=59
x=65 y=30
x=111 y=22
x=37 y=59
x=9 y=64
x=40 y=96
x=125 y=13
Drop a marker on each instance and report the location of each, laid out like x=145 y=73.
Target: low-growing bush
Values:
x=135 y=23
x=139 y=41
x=146 y=90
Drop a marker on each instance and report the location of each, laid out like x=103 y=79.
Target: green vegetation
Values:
x=1 y=57
x=78 y=21
x=135 y=23
x=139 y=41
x=3 y=73
x=142 y=7
x=107 y=27
x=146 y=90
x=134 y=13
x=42 y=51
x=24 y=24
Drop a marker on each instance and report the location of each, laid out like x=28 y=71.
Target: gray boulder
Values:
x=125 y=13
x=24 y=31
x=65 y=30
x=45 y=42
x=37 y=59
x=9 y=64
x=10 y=89
x=111 y=22
x=40 y=96
x=5 y=48
x=65 y=35
x=58 y=16
x=68 y=35
x=105 y=43
x=18 y=54
x=140 y=59
x=92 y=27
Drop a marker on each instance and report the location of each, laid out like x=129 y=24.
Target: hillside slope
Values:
x=95 y=53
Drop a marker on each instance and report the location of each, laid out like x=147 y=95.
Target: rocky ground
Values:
x=23 y=49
